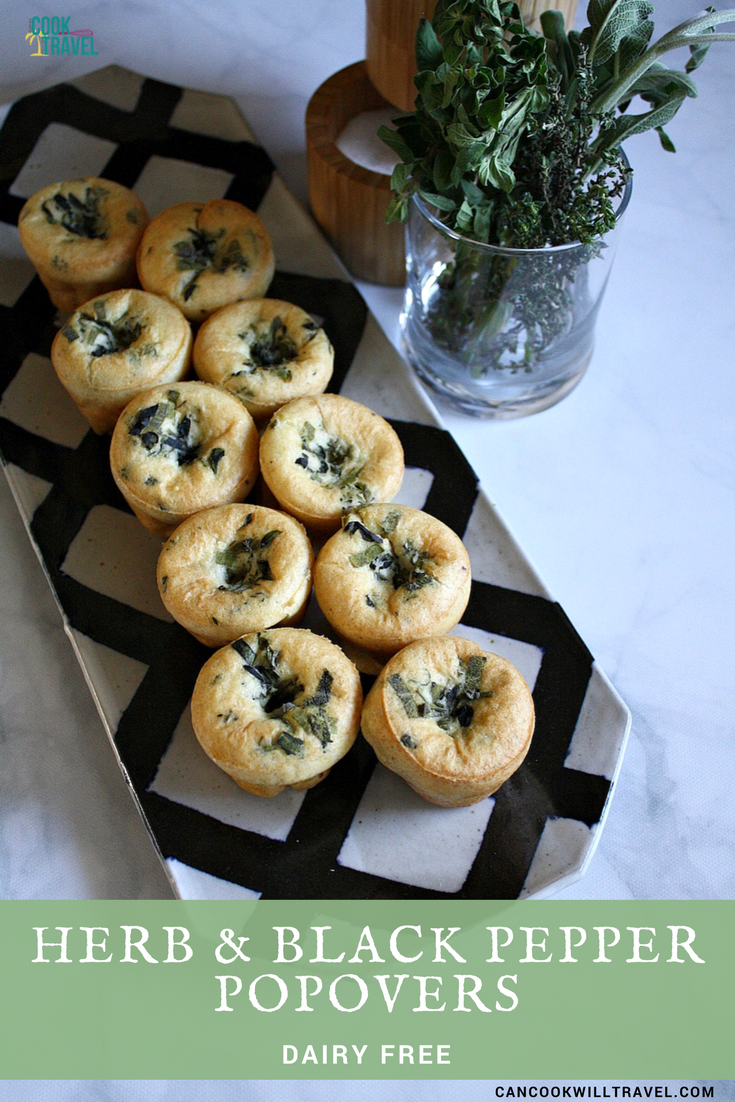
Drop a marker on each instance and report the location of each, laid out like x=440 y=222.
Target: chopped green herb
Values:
x=403 y=567
x=353 y=526
x=269 y=348
x=450 y=704
x=214 y=457
x=103 y=336
x=362 y=558
x=323 y=692
x=390 y=522
x=290 y=744
x=81 y=217
x=318 y=721
x=408 y=742
x=244 y=562
x=167 y=429
x=201 y=251
x=232 y=257
x=404 y=695
x=245 y=651
x=331 y=461
x=281 y=698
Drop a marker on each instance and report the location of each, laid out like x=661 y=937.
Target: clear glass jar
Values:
x=500 y=332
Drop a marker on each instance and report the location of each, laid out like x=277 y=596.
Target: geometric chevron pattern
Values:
x=343 y=838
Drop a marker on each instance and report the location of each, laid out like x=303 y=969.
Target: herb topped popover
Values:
x=453 y=720
x=178 y=449
x=391 y=575
x=203 y=256
x=266 y=352
x=323 y=456
x=117 y=345
x=277 y=709
x=82 y=236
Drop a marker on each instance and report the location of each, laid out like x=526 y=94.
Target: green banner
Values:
x=367 y=989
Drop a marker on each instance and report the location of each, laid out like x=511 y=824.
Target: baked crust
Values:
x=266 y=352
x=116 y=346
x=81 y=236
x=202 y=256
x=277 y=709
x=391 y=575
x=325 y=455
x=451 y=719
x=181 y=448
x=233 y=570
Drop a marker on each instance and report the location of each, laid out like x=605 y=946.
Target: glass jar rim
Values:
x=506 y=250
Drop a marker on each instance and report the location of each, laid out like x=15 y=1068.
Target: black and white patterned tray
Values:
x=362 y=833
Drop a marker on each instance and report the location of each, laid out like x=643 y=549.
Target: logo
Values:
x=51 y=35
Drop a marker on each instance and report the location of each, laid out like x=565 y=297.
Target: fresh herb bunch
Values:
x=516 y=136
x=515 y=141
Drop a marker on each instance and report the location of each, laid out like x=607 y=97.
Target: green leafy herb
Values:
x=166 y=428
x=214 y=458
x=400 y=563
x=449 y=703
x=201 y=251
x=290 y=744
x=271 y=348
x=245 y=562
x=81 y=217
x=515 y=141
x=282 y=698
x=102 y=335
x=332 y=462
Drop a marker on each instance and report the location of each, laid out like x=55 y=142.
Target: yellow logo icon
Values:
x=39 y=38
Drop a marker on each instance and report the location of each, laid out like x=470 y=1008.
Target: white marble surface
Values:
x=622 y=495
